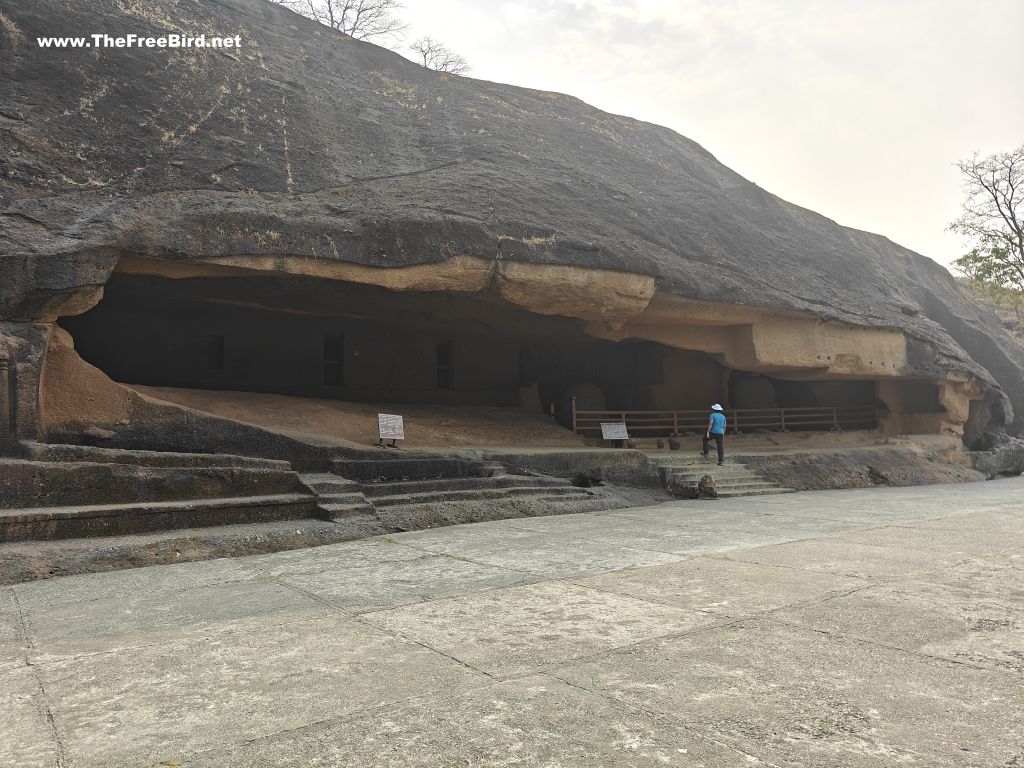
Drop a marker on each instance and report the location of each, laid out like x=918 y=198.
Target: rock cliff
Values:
x=307 y=152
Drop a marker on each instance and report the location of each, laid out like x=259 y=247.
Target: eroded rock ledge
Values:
x=313 y=155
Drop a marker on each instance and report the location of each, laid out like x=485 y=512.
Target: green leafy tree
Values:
x=992 y=277
x=992 y=221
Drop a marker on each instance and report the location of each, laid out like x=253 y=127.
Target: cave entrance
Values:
x=756 y=391
x=341 y=341
x=326 y=339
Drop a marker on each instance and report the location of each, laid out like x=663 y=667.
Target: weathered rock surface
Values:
x=306 y=145
x=707 y=488
x=860 y=468
x=1005 y=459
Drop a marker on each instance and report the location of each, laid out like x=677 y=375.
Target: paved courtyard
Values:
x=847 y=628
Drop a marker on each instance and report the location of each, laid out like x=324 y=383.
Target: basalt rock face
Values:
x=306 y=145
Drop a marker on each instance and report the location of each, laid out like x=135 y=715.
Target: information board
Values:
x=614 y=430
x=391 y=426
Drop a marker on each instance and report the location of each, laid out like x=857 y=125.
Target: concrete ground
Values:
x=846 y=628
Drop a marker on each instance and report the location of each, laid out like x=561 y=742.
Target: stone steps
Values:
x=402 y=493
x=723 y=472
x=461 y=484
x=339 y=510
x=31 y=484
x=117 y=509
x=479 y=494
x=337 y=497
x=732 y=493
x=328 y=484
x=398 y=493
x=494 y=468
x=696 y=464
x=344 y=498
x=69 y=522
x=389 y=468
x=733 y=479
x=406 y=492
x=742 y=485
x=85 y=453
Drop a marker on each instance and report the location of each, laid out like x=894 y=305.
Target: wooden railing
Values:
x=739 y=420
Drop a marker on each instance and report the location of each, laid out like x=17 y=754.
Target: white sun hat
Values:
x=716 y=407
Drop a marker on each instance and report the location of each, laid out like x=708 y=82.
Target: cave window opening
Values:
x=444 y=366
x=334 y=361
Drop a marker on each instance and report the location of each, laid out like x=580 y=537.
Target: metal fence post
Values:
x=675 y=423
x=782 y=419
x=573 y=405
x=835 y=419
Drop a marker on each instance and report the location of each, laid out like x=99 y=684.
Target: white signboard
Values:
x=613 y=430
x=391 y=426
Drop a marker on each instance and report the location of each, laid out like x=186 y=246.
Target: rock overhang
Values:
x=309 y=153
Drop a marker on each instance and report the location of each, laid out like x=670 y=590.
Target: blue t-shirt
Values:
x=717 y=423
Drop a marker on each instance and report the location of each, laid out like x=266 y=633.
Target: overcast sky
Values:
x=854 y=108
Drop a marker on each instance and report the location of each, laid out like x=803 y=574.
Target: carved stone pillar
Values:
x=22 y=349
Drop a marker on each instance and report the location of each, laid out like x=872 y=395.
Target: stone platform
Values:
x=70 y=509
x=862 y=628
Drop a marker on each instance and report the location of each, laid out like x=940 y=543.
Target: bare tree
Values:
x=993 y=219
x=376 y=19
x=361 y=19
x=434 y=55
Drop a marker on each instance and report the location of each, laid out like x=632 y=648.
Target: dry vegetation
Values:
x=1007 y=303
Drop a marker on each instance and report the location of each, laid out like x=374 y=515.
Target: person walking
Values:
x=716 y=430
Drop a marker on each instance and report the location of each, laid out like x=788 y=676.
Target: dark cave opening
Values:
x=338 y=340
x=316 y=338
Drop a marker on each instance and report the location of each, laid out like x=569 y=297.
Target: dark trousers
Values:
x=719 y=440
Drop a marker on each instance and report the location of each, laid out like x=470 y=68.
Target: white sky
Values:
x=854 y=108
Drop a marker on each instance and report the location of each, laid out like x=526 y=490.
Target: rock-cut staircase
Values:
x=68 y=509
x=338 y=498
x=682 y=474
x=404 y=492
